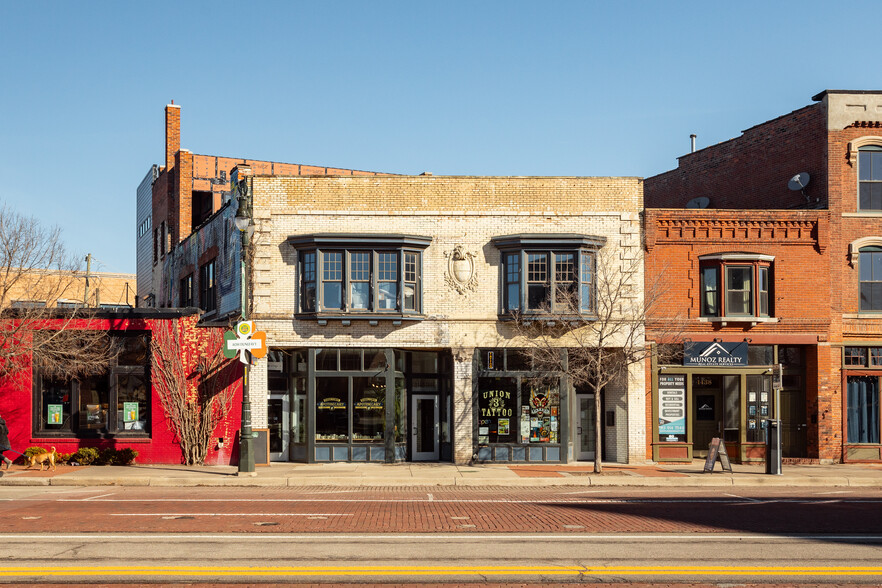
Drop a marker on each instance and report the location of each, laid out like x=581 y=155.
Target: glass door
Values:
x=585 y=429
x=425 y=446
x=279 y=429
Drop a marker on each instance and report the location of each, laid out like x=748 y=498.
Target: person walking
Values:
x=4 y=442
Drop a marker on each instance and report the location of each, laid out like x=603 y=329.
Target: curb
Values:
x=696 y=481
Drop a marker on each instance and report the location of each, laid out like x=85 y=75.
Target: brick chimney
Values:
x=172 y=133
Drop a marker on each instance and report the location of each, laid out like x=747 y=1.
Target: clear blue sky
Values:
x=461 y=88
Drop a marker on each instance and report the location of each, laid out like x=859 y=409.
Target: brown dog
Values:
x=42 y=458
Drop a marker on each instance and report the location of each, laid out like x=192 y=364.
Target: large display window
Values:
x=518 y=410
x=331 y=409
x=114 y=403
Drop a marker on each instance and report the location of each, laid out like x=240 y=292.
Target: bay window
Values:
x=548 y=273
x=352 y=276
x=735 y=285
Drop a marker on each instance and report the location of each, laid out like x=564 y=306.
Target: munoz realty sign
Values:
x=715 y=354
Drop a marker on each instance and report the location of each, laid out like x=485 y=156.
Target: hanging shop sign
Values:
x=715 y=354
x=246 y=342
x=672 y=408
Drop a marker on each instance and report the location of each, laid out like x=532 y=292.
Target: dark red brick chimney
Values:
x=172 y=133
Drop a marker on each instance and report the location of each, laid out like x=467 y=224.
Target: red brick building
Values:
x=122 y=407
x=176 y=201
x=833 y=294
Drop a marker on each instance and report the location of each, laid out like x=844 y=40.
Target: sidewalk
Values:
x=412 y=474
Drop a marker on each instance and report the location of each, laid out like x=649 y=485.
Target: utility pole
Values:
x=88 y=270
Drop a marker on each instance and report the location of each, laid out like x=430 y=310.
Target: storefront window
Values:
x=540 y=412
x=331 y=409
x=94 y=403
x=400 y=417
x=424 y=362
x=350 y=359
x=131 y=394
x=732 y=427
x=760 y=354
x=55 y=406
x=374 y=359
x=759 y=406
x=298 y=433
x=112 y=403
x=497 y=410
x=368 y=409
x=326 y=360
x=863 y=409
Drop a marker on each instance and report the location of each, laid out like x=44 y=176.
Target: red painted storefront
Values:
x=22 y=406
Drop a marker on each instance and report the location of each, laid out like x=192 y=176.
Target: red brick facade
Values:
x=185 y=173
x=750 y=174
x=676 y=240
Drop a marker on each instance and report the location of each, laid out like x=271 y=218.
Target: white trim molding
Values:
x=855 y=144
x=855 y=246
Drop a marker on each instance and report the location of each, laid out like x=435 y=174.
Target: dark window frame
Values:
x=541 y=270
x=208 y=286
x=717 y=286
x=332 y=266
x=869 y=178
x=114 y=428
x=185 y=294
x=870 y=284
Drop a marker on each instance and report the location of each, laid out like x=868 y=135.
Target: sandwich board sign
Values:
x=717 y=449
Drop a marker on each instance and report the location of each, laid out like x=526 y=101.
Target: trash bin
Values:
x=773 y=447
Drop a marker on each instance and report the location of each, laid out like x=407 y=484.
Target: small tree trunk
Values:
x=598 y=433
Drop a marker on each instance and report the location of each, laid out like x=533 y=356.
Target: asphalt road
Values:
x=440 y=535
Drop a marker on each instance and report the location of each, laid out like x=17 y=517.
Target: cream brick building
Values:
x=384 y=302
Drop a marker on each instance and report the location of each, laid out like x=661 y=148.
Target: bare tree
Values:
x=192 y=379
x=36 y=275
x=595 y=347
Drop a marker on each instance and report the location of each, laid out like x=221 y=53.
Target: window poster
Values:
x=672 y=408
x=497 y=405
x=525 y=429
x=130 y=411
x=54 y=414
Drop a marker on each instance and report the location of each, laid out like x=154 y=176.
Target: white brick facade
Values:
x=453 y=211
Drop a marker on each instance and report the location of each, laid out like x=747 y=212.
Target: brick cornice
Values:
x=689 y=226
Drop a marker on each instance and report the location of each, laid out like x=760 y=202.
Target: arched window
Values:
x=870 y=266
x=870 y=177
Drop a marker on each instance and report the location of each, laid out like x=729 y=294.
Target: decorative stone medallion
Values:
x=460 y=274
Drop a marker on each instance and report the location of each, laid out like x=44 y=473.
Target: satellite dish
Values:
x=700 y=202
x=798 y=182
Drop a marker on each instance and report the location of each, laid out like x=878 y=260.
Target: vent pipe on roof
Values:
x=693 y=136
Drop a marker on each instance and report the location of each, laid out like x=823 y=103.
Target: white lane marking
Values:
x=430 y=537
x=431 y=498
x=225 y=514
x=835 y=492
x=99 y=496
